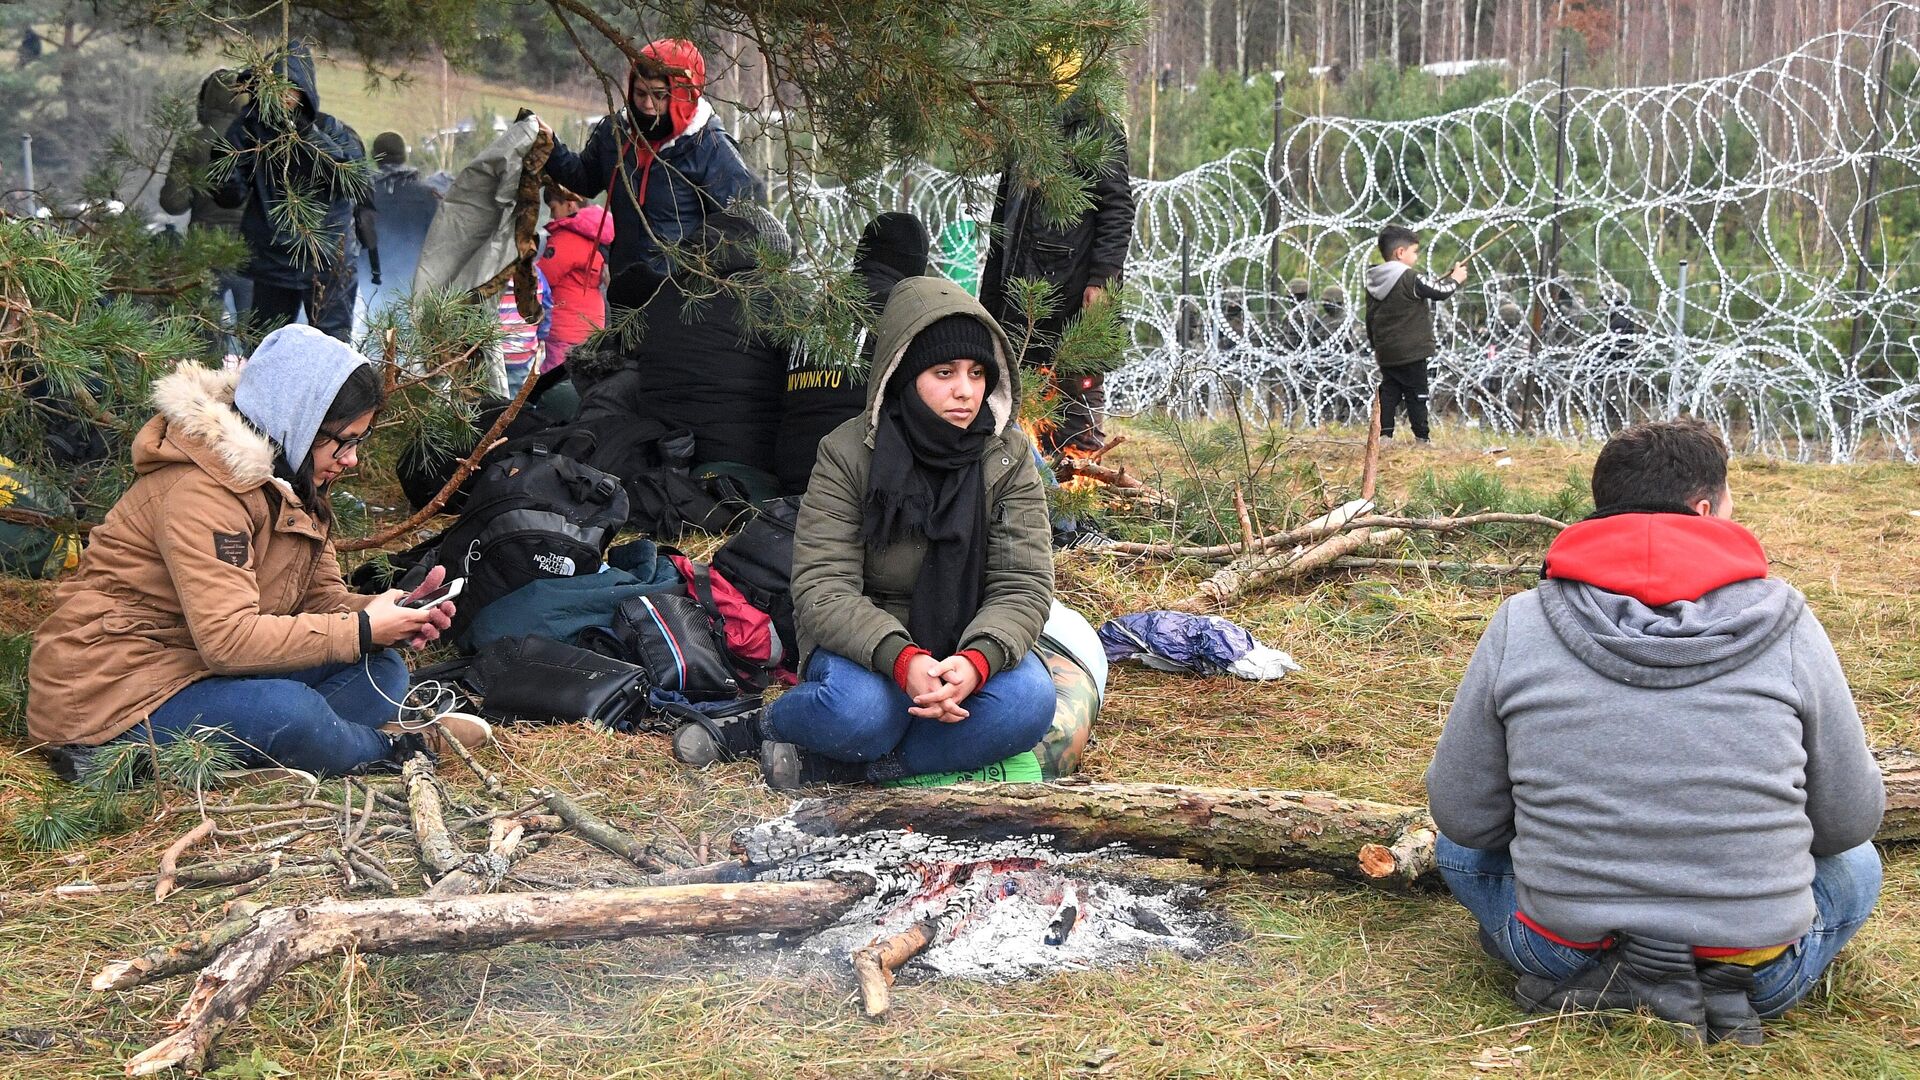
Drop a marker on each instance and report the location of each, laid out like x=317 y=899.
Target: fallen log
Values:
x=283 y=939
x=875 y=963
x=1261 y=571
x=1900 y=771
x=1455 y=524
x=1340 y=520
x=1381 y=844
x=1223 y=827
x=485 y=873
x=438 y=853
x=1361 y=562
x=190 y=953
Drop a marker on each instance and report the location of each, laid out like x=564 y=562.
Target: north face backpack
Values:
x=536 y=513
x=758 y=561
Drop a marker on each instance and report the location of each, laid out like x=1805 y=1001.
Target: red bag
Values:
x=751 y=641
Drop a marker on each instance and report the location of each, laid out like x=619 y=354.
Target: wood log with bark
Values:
x=1070 y=466
x=1900 y=771
x=282 y=939
x=1242 y=576
x=1222 y=827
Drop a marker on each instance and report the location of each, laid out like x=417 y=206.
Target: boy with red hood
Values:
x=574 y=260
x=1653 y=790
x=667 y=162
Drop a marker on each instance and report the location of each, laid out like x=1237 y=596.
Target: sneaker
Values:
x=1730 y=1013
x=401 y=748
x=702 y=740
x=786 y=767
x=470 y=731
x=1658 y=977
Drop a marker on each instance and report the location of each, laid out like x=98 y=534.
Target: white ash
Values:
x=993 y=903
x=903 y=865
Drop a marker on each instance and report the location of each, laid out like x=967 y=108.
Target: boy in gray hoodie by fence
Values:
x=1653 y=789
x=1401 y=328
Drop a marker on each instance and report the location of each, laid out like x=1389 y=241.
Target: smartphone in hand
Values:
x=447 y=591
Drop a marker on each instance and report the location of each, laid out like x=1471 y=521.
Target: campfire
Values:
x=991 y=911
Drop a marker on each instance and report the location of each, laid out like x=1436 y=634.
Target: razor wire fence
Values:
x=1735 y=248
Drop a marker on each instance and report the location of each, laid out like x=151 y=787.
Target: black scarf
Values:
x=925 y=480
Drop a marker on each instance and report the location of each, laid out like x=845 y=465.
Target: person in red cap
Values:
x=666 y=161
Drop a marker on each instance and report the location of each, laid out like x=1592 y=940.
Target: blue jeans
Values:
x=846 y=712
x=322 y=720
x=1845 y=887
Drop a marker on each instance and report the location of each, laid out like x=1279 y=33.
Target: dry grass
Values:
x=1326 y=981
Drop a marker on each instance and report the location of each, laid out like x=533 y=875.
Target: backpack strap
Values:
x=701 y=583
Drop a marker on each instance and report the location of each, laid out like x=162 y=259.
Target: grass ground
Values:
x=1325 y=981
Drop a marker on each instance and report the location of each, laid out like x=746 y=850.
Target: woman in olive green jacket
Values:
x=922 y=567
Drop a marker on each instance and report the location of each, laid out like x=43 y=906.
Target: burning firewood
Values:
x=1072 y=466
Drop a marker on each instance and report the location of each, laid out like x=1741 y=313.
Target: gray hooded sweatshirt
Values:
x=1666 y=770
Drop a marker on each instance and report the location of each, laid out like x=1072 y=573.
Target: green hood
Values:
x=916 y=303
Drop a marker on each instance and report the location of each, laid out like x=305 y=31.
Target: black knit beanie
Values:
x=896 y=240
x=955 y=337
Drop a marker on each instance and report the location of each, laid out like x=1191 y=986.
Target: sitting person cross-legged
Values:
x=922 y=573
x=209 y=601
x=1653 y=789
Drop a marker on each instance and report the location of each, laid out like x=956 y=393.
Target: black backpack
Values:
x=758 y=560
x=423 y=470
x=536 y=513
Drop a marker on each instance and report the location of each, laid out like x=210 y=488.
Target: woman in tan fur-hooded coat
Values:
x=210 y=597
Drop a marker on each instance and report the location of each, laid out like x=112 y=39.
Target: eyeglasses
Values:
x=342 y=446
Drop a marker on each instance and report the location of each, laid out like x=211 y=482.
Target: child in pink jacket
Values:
x=574 y=262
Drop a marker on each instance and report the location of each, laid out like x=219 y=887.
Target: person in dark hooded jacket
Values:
x=1653 y=789
x=821 y=395
x=187 y=189
x=922 y=570
x=666 y=161
x=403 y=207
x=292 y=272
x=1400 y=326
x=1083 y=259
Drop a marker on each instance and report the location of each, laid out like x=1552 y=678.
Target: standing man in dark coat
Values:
x=292 y=272
x=1083 y=259
x=187 y=190
x=403 y=206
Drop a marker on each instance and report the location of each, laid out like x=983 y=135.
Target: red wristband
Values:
x=979 y=661
x=906 y=657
